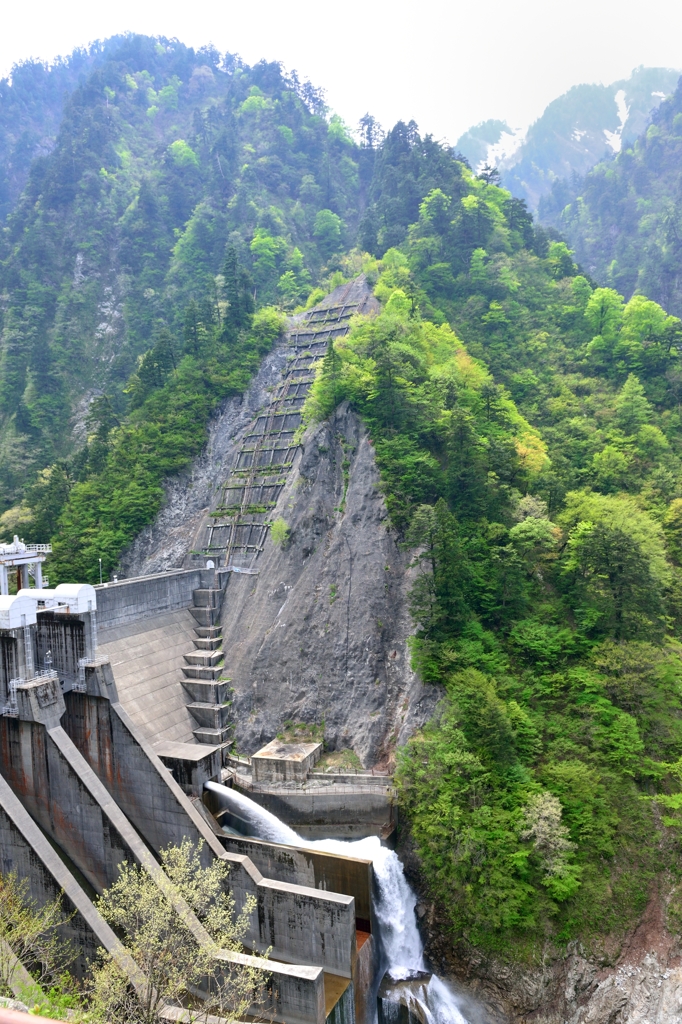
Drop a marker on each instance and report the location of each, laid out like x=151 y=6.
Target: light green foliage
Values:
x=29 y=937
x=255 y=102
x=183 y=155
x=171 y=961
x=327 y=231
x=615 y=555
x=279 y=531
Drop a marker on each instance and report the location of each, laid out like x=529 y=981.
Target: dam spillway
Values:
x=423 y=995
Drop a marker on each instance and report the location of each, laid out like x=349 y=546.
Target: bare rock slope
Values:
x=320 y=634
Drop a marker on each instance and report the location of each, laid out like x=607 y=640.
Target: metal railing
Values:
x=11 y=708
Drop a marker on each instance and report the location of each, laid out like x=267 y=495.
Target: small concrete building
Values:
x=285 y=762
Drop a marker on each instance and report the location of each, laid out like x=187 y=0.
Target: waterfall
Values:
x=394 y=905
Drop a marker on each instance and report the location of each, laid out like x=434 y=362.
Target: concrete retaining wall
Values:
x=334 y=810
x=60 y=801
x=319 y=870
x=129 y=600
x=24 y=849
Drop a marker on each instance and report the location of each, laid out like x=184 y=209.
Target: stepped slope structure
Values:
x=313 y=629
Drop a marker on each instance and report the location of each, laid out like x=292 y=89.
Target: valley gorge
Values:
x=322 y=456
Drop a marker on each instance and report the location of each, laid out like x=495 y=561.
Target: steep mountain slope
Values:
x=32 y=102
x=576 y=130
x=319 y=634
x=623 y=218
x=163 y=156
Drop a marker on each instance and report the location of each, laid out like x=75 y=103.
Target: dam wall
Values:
x=300 y=923
x=144 y=596
x=314 y=868
x=335 y=810
x=77 y=765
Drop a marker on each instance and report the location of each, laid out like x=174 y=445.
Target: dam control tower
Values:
x=26 y=559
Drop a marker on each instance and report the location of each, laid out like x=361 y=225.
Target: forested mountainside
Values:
x=527 y=428
x=525 y=423
x=31 y=106
x=163 y=157
x=623 y=217
x=576 y=131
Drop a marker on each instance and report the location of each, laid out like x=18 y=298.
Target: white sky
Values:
x=447 y=65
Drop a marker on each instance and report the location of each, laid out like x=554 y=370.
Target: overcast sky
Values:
x=447 y=65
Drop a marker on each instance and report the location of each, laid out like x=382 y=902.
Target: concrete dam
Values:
x=122 y=706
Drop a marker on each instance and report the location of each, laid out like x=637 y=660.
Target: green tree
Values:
x=29 y=936
x=632 y=408
x=615 y=560
x=327 y=231
x=438 y=598
x=173 y=964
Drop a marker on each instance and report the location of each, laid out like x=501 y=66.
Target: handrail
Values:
x=18 y=1017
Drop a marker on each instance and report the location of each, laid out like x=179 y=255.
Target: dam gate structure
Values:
x=115 y=714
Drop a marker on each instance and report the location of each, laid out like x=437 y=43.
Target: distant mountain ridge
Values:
x=623 y=219
x=587 y=124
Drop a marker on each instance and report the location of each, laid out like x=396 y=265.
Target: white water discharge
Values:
x=394 y=905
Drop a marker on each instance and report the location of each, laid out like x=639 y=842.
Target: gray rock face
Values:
x=189 y=495
x=320 y=635
x=637 y=982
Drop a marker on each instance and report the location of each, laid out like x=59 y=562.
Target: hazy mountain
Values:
x=624 y=218
x=32 y=101
x=577 y=130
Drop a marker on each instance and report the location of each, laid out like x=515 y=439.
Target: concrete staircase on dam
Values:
x=203 y=672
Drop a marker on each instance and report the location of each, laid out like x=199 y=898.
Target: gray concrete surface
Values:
x=192 y=764
x=330 y=810
x=24 y=849
x=301 y=924
x=147 y=658
x=138 y=598
x=313 y=868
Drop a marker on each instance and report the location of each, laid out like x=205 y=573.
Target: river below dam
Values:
x=402 y=967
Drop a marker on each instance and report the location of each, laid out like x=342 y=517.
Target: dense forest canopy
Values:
x=525 y=417
x=527 y=427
